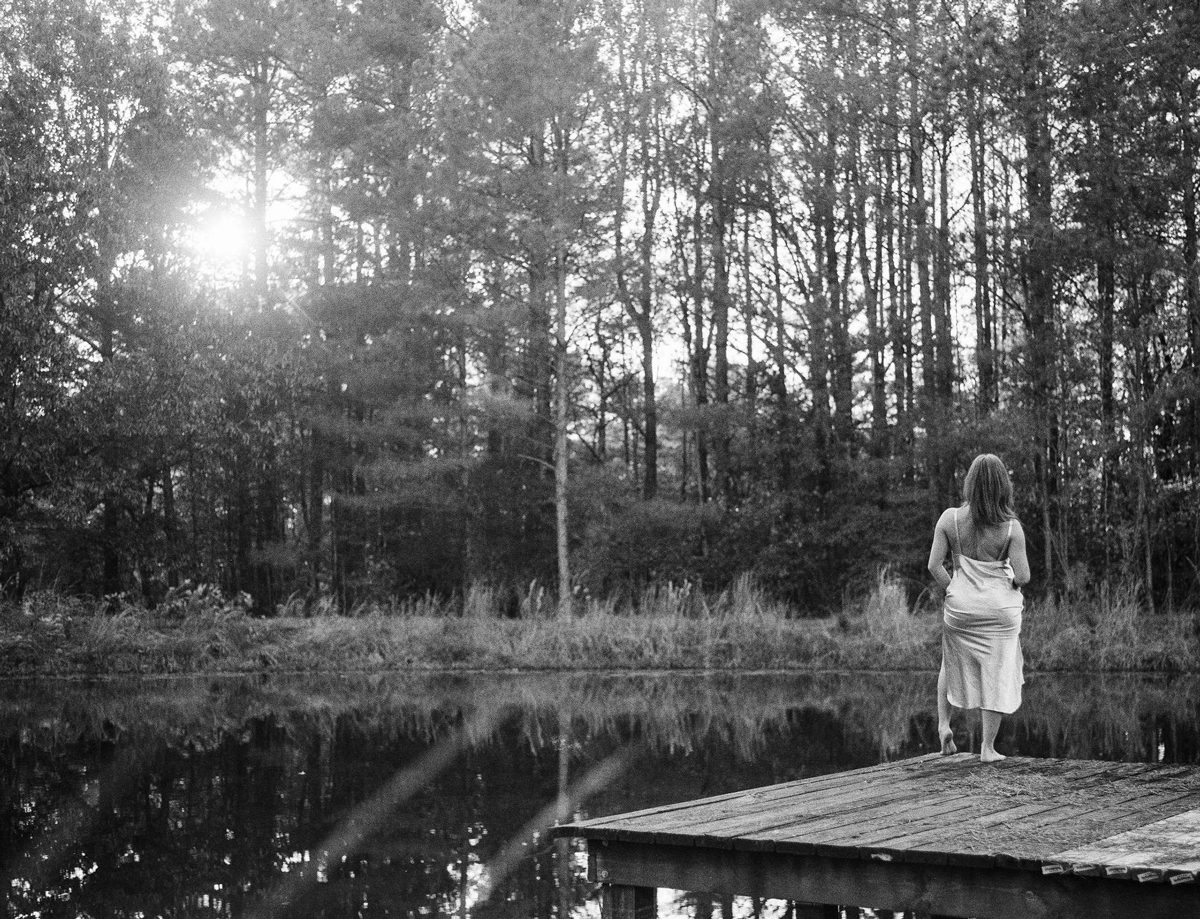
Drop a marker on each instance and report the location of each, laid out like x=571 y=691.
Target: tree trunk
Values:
x=260 y=114
x=110 y=514
x=170 y=527
x=987 y=395
x=897 y=331
x=919 y=219
x=1106 y=288
x=561 y=395
x=562 y=390
x=1187 y=100
x=540 y=357
x=651 y=195
x=603 y=387
x=316 y=509
x=871 y=296
x=1187 y=92
x=649 y=406
x=818 y=359
x=640 y=307
x=699 y=355
x=943 y=280
x=718 y=229
x=751 y=369
x=943 y=455
x=470 y=521
x=1039 y=279
x=779 y=354
x=841 y=365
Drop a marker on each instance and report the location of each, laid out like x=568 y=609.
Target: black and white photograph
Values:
x=600 y=459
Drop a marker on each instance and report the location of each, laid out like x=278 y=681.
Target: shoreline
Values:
x=236 y=645
x=582 y=672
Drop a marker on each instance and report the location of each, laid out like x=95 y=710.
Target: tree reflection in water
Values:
x=211 y=797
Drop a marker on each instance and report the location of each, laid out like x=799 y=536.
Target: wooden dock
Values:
x=941 y=835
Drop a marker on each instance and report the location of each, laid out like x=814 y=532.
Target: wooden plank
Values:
x=815 y=911
x=803 y=805
x=940 y=851
x=937 y=821
x=937 y=810
x=1119 y=795
x=859 y=828
x=918 y=770
x=847 y=828
x=580 y=827
x=1126 y=807
x=822 y=823
x=1140 y=798
x=830 y=834
x=618 y=901
x=953 y=890
x=1025 y=839
x=874 y=785
x=1050 y=810
x=1140 y=811
x=849 y=803
x=814 y=782
x=965 y=794
x=841 y=818
x=935 y=835
x=1169 y=845
x=742 y=809
x=974 y=837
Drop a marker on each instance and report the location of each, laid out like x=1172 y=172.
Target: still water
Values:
x=372 y=796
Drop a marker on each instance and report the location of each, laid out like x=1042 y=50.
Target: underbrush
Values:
x=666 y=627
x=1109 y=631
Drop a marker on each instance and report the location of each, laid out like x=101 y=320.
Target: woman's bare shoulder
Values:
x=947 y=518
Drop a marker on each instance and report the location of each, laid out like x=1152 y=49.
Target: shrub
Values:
x=190 y=601
x=649 y=542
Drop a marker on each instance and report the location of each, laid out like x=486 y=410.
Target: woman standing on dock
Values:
x=981 y=620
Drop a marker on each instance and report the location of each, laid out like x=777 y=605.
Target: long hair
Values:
x=988 y=491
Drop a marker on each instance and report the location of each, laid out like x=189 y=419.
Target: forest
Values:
x=330 y=302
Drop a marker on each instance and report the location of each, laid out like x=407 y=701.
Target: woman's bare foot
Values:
x=947 y=737
x=991 y=756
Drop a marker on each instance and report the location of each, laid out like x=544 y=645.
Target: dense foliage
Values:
x=775 y=271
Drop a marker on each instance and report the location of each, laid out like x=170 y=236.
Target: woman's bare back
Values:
x=987 y=544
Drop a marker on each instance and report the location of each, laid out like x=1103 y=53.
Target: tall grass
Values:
x=1109 y=631
x=665 y=626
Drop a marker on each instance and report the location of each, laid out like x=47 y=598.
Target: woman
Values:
x=981 y=621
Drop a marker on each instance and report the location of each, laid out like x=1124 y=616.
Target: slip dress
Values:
x=981 y=631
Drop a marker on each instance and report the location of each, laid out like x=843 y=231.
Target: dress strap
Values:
x=1007 y=540
x=957 y=534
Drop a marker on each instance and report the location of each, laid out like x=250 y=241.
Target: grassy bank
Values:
x=667 y=628
x=1080 y=716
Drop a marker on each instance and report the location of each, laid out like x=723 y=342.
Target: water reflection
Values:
x=393 y=796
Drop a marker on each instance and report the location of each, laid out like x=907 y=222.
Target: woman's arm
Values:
x=941 y=546
x=1017 y=555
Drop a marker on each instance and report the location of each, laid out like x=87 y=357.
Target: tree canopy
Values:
x=327 y=299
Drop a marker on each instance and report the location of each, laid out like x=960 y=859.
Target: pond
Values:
x=385 y=795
